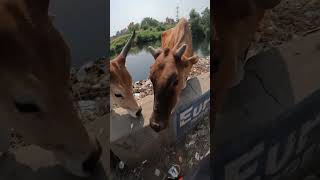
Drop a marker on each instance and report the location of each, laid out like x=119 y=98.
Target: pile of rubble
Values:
x=183 y=156
x=289 y=20
x=90 y=90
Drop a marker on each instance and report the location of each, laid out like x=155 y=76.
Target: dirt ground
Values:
x=287 y=21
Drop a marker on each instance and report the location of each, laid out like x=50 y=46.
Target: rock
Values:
x=157 y=172
x=197 y=156
x=96 y=86
x=88 y=66
x=313 y=13
x=81 y=75
x=121 y=164
x=104 y=82
x=81 y=88
x=136 y=95
x=102 y=106
x=87 y=105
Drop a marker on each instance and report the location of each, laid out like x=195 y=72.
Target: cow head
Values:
x=168 y=75
x=121 y=82
x=35 y=95
x=234 y=25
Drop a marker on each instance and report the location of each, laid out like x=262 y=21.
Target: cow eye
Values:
x=175 y=82
x=27 y=107
x=118 y=95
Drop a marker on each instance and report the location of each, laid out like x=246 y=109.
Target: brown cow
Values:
x=35 y=97
x=121 y=82
x=234 y=25
x=169 y=73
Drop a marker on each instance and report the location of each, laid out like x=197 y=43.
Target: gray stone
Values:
x=87 y=105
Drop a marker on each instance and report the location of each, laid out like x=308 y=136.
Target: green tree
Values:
x=196 y=25
x=149 y=22
x=132 y=26
x=205 y=21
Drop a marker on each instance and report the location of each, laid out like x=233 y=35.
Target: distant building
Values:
x=169 y=21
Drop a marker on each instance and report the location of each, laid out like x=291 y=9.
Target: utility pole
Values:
x=177 y=15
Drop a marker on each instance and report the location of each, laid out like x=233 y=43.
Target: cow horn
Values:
x=155 y=52
x=181 y=50
x=127 y=47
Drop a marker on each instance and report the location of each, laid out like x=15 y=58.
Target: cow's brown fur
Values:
x=35 y=98
x=169 y=73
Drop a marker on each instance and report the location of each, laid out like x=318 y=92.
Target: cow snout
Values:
x=138 y=113
x=157 y=127
x=90 y=164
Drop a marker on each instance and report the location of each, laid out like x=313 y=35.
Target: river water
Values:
x=83 y=26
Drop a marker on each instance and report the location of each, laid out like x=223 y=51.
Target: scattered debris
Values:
x=192 y=142
x=174 y=171
x=157 y=172
x=197 y=156
x=121 y=164
x=145 y=161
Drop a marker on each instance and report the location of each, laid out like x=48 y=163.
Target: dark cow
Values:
x=234 y=24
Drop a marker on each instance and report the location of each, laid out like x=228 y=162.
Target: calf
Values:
x=35 y=98
x=169 y=73
x=234 y=24
x=121 y=82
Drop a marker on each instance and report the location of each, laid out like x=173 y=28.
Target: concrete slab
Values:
x=302 y=57
x=275 y=80
x=34 y=163
x=263 y=109
x=140 y=142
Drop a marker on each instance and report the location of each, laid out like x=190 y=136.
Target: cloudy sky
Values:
x=122 y=12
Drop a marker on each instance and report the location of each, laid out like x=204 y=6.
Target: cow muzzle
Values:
x=157 y=125
x=135 y=113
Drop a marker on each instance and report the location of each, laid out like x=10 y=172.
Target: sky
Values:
x=122 y=12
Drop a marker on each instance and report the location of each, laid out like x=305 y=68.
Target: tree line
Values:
x=149 y=29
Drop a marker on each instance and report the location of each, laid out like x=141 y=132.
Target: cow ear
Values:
x=38 y=8
x=194 y=59
x=155 y=52
x=268 y=4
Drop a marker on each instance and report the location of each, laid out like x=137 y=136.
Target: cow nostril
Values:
x=91 y=162
x=155 y=126
x=138 y=113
